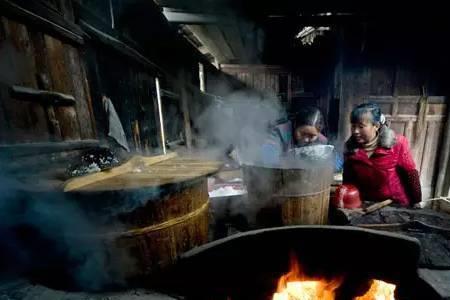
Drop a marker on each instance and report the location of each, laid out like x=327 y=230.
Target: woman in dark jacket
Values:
x=378 y=161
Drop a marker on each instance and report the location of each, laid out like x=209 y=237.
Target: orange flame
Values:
x=296 y=286
x=379 y=290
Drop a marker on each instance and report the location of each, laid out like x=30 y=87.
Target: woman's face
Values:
x=364 y=131
x=306 y=134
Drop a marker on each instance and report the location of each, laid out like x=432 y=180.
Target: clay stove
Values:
x=250 y=265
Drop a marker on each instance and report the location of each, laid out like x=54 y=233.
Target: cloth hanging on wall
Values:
x=115 y=129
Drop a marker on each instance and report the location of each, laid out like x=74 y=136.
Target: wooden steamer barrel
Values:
x=297 y=196
x=161 y=210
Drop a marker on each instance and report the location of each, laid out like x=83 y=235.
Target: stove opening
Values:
x=302 y=263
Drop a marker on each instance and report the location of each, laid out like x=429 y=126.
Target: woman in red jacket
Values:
x=378 y=161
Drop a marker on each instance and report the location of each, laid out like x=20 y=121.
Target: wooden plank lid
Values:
x=144 y=172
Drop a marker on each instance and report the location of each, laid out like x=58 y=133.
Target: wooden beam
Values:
x=183 y=17
x=203 y=50
x=219 y=39
x=41 y=96
x=234 y=38
x=34 y=14
x=201 y=33
x=120 y=47
x=254 y=68
x=18 y=150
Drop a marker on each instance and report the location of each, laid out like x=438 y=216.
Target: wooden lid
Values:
x=144 y=172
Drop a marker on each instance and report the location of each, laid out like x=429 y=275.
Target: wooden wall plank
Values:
x=408 y=108
x=273 y=78
x=395 y=106
x=27 y=120
x=45 y=82
x=35 y=15
x=355 y=88
x=4 y=124
x=276 y=83
x=418 y=148
x=248 y=79
x=409 y=129
x=407 y=81
x=264 y=78
x=82 y=105
x=62 y=82
x=258 y=81
x=443 y=170
x=429 y=157
x=437 y=109
x=398 y=127
x=262 y=82
x=88 y=98
x=252 y=81
x=18 y=35
x=382 y=80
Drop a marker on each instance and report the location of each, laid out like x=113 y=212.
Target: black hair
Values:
x=371 y=108
x=309 y=116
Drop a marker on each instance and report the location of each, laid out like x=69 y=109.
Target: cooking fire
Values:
x=296 y=286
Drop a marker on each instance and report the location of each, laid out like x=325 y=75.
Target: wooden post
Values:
x=160 y=113
x=111 y=13
x=442 y=186
x=289 y=89
x=136 y=136
x=201 y=74
x=185 y=108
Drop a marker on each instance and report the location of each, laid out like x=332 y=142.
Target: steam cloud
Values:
x=46 y=235
x=240 y=120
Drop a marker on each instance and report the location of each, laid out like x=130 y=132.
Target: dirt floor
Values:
x=24 y=290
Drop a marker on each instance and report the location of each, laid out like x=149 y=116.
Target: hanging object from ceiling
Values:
x=309 y=33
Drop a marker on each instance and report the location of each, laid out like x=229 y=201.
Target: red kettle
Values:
x=347 y=196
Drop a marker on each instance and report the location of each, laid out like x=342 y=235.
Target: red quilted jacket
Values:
x=390 y=173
